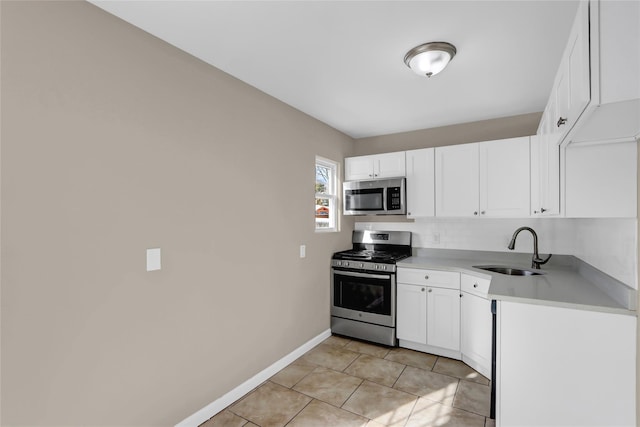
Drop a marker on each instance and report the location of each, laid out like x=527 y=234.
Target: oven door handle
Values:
x=363 y=275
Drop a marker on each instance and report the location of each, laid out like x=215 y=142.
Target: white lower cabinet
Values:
x=564 y=367
x=428 y=311
x=443 y=318
x=476 y=324
x=445 y=313
x=411 y=318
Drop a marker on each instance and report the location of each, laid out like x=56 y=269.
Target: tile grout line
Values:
x=351 y=363
x=396 y=381
x=298 y=413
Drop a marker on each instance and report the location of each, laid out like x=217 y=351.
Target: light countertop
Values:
x=565 y=282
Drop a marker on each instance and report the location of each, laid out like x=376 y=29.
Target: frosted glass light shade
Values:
x=430 y=58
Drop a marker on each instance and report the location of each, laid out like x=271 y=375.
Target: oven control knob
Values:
x=361 y=265
x=384 y=267
x=345 y=264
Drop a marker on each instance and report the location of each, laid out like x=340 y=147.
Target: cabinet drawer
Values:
x=437 y=278
x=474 y=285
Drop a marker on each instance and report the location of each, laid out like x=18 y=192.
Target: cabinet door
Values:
x=358 y=168
x=443 y=318
x=578 y=65
x=411 y=314
x=389 y=165
x=601 y=180
x=504 y=178
x=457 y=180
x=420 y=183
x=476 y=329
x=545 y=176
x=537 y=166
x=572 y=84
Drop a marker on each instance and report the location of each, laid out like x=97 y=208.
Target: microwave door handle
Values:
x=384 y=198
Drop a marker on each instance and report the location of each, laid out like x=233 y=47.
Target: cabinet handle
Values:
x=482 y=213
x=475 y=285
x=535 y=212
x=543 y=210
x=375 y=174
x=408 y=213
x=430 y=290
x=426 y=277
x=561 y=121
x=475 y=213
x=460 y=295
x=422 y=289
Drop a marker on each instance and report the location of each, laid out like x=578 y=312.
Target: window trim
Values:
x=333 y=195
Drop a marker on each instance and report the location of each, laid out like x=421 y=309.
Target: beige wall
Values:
x=114 y=142
x=486 y=130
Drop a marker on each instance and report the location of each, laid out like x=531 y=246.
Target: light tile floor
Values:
x=345 y=383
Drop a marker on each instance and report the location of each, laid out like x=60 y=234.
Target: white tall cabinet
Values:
x=489 y=178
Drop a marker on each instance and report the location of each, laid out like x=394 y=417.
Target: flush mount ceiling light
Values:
x=430 y=58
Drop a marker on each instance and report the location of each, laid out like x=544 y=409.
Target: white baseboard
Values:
x=218 y=405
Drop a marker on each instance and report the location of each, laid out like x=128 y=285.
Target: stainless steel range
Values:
x=363 y=285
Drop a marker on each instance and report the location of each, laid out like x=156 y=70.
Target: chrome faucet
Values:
x=536 y=261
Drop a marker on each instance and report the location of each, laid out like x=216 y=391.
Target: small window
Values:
x=326 y=212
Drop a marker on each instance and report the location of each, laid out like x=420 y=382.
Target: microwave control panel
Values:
x=394 y=198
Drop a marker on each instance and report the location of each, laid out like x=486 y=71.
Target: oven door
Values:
x=362 y=296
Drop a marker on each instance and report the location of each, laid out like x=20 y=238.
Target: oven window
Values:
x=364 y=200
x=362 y=294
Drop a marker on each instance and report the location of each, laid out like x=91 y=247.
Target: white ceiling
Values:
x=342 y=61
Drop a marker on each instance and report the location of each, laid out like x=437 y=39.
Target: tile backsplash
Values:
x=608 y=244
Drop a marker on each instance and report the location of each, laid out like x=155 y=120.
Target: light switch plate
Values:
x=153 y=259
x=303 y=251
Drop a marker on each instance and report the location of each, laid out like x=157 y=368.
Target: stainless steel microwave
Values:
x=379 y=197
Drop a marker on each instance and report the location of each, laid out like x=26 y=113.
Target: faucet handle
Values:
x=537 y=262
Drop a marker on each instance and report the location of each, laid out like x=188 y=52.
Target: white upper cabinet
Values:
x=545 y=175
x=377 y=166
x=420 y=183
x=457 y=173
x=596 y=92
x=486 y=179
x=504 y=178
x=601 y=180
x=571 y=85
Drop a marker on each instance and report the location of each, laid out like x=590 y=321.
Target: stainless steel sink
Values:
x=510 y=271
